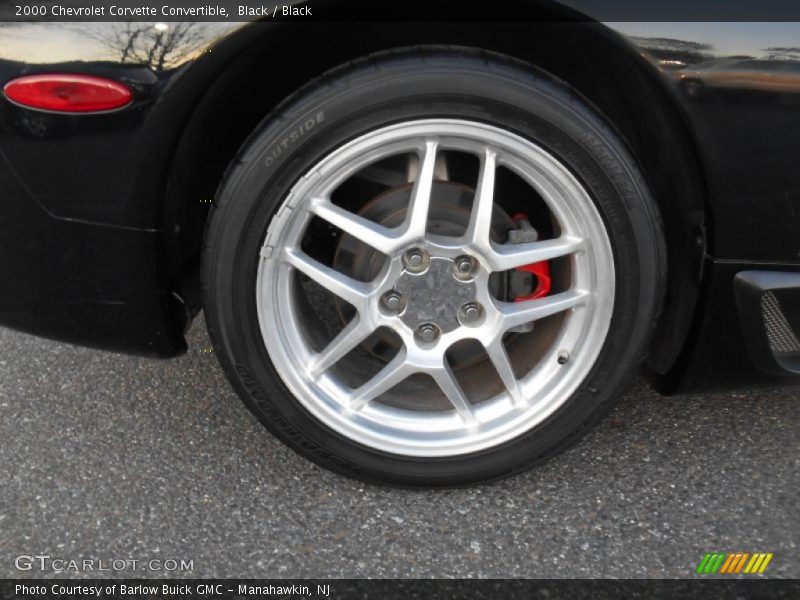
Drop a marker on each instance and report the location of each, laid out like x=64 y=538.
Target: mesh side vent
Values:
x=779 y=333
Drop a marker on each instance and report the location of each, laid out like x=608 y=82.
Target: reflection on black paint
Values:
x=746 y=114
x=158 y=46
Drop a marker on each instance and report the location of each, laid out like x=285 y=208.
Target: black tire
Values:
x=407 y=84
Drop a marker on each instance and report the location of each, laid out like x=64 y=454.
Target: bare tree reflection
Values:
x=157 y=45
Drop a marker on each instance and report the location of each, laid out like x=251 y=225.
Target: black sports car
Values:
x=427 y=253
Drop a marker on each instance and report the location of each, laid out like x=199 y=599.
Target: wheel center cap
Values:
x=435 y=295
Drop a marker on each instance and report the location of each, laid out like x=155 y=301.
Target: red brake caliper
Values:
x=540 y=270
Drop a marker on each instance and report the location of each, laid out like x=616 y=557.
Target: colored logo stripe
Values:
x=740 y=564
x=732 y=563
x=758 y=563
x=731 y=560
x=711 y=562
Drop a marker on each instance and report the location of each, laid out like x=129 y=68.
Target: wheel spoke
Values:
x=348 y=338
x=510 y=256
x=381 y=238
x=480 y=222
x=519 y=313
x=346 y=288
x=499 y=357
x=417 y=219
x=452 y=389
x=395 y=371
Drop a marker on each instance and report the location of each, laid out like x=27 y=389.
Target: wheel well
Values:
x=595 y=61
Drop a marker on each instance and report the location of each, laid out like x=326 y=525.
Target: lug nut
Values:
x=470 y=314
x=464 y=264
x=393 y=302
x=463 y=267
x=427 y=333
x=416 y=260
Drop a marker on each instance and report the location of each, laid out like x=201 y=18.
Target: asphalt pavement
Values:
x=105 y=457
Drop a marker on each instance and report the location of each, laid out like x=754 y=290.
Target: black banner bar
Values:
x=408 y=589
x=395 y=10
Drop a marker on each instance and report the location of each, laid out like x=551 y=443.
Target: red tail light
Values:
x=68 y=93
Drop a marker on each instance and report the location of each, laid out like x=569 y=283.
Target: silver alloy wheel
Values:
x=529 y=397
